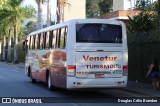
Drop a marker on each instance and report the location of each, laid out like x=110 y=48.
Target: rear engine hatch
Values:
x=99 y=64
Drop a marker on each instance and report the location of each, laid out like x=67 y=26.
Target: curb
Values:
x=147 y=93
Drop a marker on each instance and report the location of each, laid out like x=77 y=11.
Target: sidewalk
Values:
x=144 y=88
x=18 y=66
x=132 y=85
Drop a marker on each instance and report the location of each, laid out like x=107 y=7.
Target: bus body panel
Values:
x=52 y=60
x=75 y=83
x=67 y=66
x=99 y=64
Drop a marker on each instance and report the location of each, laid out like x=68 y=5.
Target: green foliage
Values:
x=98 y=7
x=157 y=7
x=141 y=5
x=142 y=22
x=143 y=41
x=14 y=14
x=142 y=47
x=30 y=12
x=146 y=20
x=2 y=2
x=92 y=8
x=30 y=27
x=105 y=6
x=21 y=53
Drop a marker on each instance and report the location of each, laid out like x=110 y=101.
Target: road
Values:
x=13 y=83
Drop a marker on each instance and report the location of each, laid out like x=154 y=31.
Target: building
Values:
x=74 y=9
x=122 y=9
x=122 y=5
x=128 y=4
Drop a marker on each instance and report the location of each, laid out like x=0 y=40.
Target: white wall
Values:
x=75 y=9
x=121 y=5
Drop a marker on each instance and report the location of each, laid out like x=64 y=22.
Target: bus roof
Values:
x=91 y=20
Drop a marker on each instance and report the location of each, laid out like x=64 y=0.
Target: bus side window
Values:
x=50 y=39
x=44 y=40
x=65 y=34
x=41 y=41
x=29 y=42
x=63 y=37
x=58 y=31
x=47 y=40
x=33 y=42
x=54 y=39
x=38 y=41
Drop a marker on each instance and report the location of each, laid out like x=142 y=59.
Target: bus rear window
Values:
x=98 y=33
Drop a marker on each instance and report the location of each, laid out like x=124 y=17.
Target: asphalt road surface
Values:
x=14 y=84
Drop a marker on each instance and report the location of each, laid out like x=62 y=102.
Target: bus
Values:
x=80 y=53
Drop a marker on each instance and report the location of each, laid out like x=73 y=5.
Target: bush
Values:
x=142 y=48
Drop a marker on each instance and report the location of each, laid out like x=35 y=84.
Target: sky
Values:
x=33 y=3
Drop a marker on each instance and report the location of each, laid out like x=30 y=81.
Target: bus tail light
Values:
x=71 y=70
x=125 y=70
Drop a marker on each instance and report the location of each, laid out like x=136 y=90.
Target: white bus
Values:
x=81 y=53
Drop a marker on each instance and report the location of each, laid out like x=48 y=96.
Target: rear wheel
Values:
x=30 y=74
x=33 y=80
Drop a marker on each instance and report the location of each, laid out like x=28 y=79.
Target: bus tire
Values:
x=49 y=82
x=30 y=74
x=33 y=80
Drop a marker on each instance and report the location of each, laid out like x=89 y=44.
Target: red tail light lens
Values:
x=125 y=70
x=125 y=67
x=71 y=70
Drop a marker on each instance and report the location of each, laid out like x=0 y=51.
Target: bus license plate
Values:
x=98 y=75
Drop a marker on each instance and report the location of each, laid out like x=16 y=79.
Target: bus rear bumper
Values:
x=75 y=83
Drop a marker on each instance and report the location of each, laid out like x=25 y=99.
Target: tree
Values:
x=8 y=32
x=60 y=4
x=30 y=27
x=40 y=10
x=146 y=20
x=98 y=7
x=92 y=8
x=2 y=2
x=157 y=7
x=105 y=6
x=13 y=13
x=141 y=23
x=48 y=13
x=157 y=16
x=3 y=30
x=144 y=5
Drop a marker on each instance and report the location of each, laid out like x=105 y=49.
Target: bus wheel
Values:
x=49 y=82
x=33 y=80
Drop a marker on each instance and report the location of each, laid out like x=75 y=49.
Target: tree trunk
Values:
x=48 y=13
x=58 y=12
x=9 y=60
x=59 y=15
x=0 y=50
x=40 y=10
x=15 y=44
x=4 y=49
